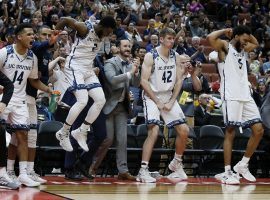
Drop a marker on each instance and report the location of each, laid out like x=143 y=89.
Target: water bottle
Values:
x=53 y=101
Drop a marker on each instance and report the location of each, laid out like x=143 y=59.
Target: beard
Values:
x=238 y=46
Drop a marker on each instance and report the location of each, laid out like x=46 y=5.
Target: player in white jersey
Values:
x=239 y=108
x=81 y=76
x=162 y=76
x=19 y=63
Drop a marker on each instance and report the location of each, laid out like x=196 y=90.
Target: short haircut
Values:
x=167 y=31
x=42 y=27
x=240 y=30
x=118 y=42
x=21 y=27
x=108 y=22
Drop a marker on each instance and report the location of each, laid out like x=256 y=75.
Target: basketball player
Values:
x=81 y=76
x=161 y=81
x=19 y=63
x=239 y=108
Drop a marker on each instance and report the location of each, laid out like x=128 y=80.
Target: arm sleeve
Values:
x=8 y=88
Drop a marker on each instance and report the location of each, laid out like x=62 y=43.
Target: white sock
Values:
x=66 y=127
x=23 y=167
x=144 y=164
x=84 y=127
x=178 y=157
x=10 y=165
x=245 y=160
x=2 y=171
x=227 y=168
x=30 y=167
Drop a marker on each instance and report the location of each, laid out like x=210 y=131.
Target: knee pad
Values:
x=32 y=138
x=13 y=140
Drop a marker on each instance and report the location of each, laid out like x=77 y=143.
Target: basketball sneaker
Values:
x=13 y=177
x=7 y=182
x=144 y=176
x=81 y=137
x=242 y=169
x=63 y=138
x=177 y=167
x=35 y=177
x=228 y=177
x=27 y=181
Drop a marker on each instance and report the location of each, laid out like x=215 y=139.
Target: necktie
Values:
x=124 y=63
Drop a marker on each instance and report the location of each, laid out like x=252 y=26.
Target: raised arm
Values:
x=80 y=27
x=252 y=44
x=215 y=41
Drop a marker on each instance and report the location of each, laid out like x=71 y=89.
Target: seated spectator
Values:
x=154 y=9
x=153 y=43
x=140 y=7
x=180 y=46
x=150 y=30
x=255 y=63
x=259 y=92
x=195 y=6
x=119 y=31
x=266 y=65
x=196 y=51
x=158 y=23
x=194 y=26
x=132 y=34
x=207 y=104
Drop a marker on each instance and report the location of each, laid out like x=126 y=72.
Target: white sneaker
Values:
x=6 y=182
x=63 y=138
x=35 y=177
x=13 y=177
x=81 y=138
x=144 y=176
x=27 y=181
x=228 y=177
x=244 y=171
x=178 y=172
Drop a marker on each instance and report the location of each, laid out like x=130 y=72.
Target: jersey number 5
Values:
x=166 y=77
x=17 y=77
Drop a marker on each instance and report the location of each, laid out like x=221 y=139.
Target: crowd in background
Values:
x=140 y=21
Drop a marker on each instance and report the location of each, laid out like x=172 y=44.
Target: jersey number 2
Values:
x=17 y=77
x=166 y=77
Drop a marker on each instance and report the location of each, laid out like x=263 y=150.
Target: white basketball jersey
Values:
x=84 y=50
x=18 y=68
x=163 y=75
x=234 y=83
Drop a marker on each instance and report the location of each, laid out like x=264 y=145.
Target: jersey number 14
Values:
x=17 y=77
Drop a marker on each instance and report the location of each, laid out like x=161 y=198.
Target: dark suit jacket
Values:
x=115 y=82
x=201 y=117
x=265 y=110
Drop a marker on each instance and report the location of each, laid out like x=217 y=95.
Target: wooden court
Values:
x=58 y=188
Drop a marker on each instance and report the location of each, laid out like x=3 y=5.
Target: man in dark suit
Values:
x=119 y=73
x=202 y=112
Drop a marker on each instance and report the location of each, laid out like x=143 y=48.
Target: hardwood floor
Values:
x=58 y=188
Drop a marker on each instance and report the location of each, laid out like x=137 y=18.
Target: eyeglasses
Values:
x=63 y=34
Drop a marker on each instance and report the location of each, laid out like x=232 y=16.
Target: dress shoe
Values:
x=82 y=168
x=126 y=176
x=73 y=175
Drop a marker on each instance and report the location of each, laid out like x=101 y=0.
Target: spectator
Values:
x=153 y=43
x=255 y=63
x=154 y=9
x=196 y=51
x=266 y=65
x=150 y=30
x=202 y=113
